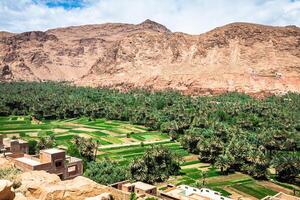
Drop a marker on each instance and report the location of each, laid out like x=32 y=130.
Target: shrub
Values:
x=11 y=174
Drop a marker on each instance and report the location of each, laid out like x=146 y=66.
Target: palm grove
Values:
x=232 y=131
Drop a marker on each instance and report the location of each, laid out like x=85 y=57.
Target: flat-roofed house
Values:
x=15 y=146
x=140 y=188
x=53 y=161
x=185 y=192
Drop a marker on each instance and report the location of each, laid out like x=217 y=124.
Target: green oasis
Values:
x=233 y=132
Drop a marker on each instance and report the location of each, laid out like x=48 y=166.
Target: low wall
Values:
x=22 y=166
x=117 y=194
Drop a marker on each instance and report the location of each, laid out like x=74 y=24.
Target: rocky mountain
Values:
x=243 y=57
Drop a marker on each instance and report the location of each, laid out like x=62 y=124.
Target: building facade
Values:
x=13 y=146
x=140 y=188
x=54 y=161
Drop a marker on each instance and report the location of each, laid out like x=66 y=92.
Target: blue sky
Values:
x=190 y=16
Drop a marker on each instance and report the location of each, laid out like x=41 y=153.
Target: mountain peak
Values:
x=149 y=24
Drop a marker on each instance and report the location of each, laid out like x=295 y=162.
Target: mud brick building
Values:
x=54 y=161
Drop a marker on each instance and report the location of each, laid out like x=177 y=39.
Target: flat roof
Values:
x=180 y=194
x=72 y=159
x=53 y=151
x=22 y=141
x=28 y=161
x=143 y=186
x=127 y=184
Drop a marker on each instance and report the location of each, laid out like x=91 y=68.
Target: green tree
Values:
x=156 y=165
x=105 y=172
x=287 y=166
x=46 y=143
x=133 y=196
x=32 y=144
x=210 y=148
x=87 y=147
x=224 y=162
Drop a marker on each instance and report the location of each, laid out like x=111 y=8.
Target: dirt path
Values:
x=197 y=165
x=17 y=131
x=190 y=158
x=275 y=187
x=130 y=144
x=236 y=175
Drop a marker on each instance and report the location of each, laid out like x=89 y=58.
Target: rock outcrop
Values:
x=6 y=190
x=40 y=185
x=4 y=163
x=240 y=57
x=104 y=196
x=44 y=186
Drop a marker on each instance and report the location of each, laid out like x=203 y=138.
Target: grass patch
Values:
x=254 y=190
x=190 y=163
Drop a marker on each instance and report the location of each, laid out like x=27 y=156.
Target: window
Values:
x=207 y=191
x=130 y=189
x=58 y=163
x=72 y=169
x=195 y=190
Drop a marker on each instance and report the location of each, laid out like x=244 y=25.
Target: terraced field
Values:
x=122 y=141
x=235 y=185
x=106 y=132
x=125 y=154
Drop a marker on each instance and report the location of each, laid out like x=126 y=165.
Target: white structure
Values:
x=205 y=192
x=185 y=192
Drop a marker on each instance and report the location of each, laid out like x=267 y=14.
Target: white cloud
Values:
x=191 y=16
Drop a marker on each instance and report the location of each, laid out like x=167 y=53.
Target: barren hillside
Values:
x=250 y=58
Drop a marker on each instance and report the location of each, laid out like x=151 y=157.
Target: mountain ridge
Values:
x=242 y=57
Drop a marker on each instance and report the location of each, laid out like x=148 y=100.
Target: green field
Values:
x=125 y=154
x=254 y=189
x=122 y=142
x=106 y=132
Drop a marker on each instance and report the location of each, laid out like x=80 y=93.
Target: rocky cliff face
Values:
x=237 y=57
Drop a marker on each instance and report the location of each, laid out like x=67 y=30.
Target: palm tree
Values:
x=46 y=142
x=223 y=162
x=287 y=166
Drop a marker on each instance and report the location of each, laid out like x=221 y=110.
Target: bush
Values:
x=32 y=146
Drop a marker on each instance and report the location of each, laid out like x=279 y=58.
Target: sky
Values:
x=189 y=16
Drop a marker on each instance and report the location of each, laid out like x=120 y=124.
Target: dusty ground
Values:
x=190 y=158
x=4 y=163
x=84 y=135
x=275 y=187
x=58 y=130
x=85 y=129
x=236 y=175
x=204 y=166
